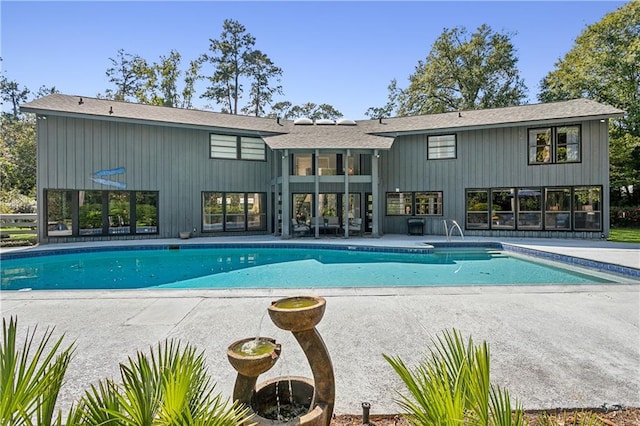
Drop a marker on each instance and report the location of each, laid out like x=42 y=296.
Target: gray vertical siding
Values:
x=490 y=158
x=173 y=161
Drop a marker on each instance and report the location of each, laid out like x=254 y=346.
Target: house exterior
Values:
x=116 y=170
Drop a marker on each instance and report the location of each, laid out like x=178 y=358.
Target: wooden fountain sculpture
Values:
x=254 y=356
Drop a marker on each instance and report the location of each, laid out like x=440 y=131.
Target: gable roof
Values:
x=575 y=109
x=284 y=134
x=104 y=109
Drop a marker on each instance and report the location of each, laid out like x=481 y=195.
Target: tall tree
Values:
x=461 y=72
x=288 y=111
x=391 y=106
x=129 y=73
x=230 y=56
x=261 y=70
x=10 y=91
x=604 y=65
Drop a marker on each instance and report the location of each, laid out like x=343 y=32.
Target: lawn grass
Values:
x=624 y=235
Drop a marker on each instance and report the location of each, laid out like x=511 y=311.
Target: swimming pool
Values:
x=285 y=266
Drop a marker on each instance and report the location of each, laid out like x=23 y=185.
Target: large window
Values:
x=503 y=208
x=59 y=212
x=302 y=164
x=234 y=211
x=328 y=164
x=441 y=147
x=586 y=214
x=565 y=208
x=557 y=214
x=477 y=216
x=529 y=208
x=236 y=147
x=551 y=145
x=95 y=212
x=428 y=203
x=399 y=203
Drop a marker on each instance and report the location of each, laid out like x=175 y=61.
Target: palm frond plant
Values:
x=170 y=386
x=31 y=376
x=451 y=386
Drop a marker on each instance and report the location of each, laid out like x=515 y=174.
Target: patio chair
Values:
x=298 y=228
x=355 y=226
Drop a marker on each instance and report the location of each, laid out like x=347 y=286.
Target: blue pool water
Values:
x=256 y=267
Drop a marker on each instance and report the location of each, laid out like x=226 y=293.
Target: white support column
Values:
x=345 y=208
x=286 y=197
x=316 y=194
x=375 y=193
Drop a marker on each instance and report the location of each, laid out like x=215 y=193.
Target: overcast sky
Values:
x=340 y=53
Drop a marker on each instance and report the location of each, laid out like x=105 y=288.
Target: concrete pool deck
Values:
x=551 y=346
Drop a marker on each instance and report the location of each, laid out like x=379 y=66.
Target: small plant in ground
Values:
x=168 y=387
x=31 y=376
x=575 y=418
x=451 y=387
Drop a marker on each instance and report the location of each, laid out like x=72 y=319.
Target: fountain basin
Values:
x=285 y=401
x=297 y=313
x=253 y=356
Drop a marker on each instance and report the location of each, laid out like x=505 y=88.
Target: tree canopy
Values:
x=604 y=65
x=461 y=72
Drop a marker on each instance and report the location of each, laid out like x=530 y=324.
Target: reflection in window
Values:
x=212 y=211
x=90 y=217
x=302 y=207
x=256 y=211
x=428 y=203
x=502 y=208
x=586 y=215
x=539 y=146
x=399 y=203
x=119 y=212
x=477 y=209
x=233 y=211
x=568 y=145
x=353 y=165
x=59 y=210
x=146 y=208
x=558 y=209
x=529 y=208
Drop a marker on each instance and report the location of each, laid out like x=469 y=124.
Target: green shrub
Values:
x=625 y=217
x=451 y=387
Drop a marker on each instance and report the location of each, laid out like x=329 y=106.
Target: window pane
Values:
x=302 y=165
x=587 y=208
x=558 y=209
x=223 y=146
x=212 y=211
x=353 y=164
x=234 y=214
x=328 y=205
x=59 y=221
x=443 y=146
x=477 y=209
x=327 y=164
x=502 y=208
x=146 y=212
x=568 y=149
x=252 y=148
x=256 y=211
x=539 y=146
x=399 y=203
x=119 y=212
x=529 y=208
x=429 y=203
x=302 y=207
x=90 y=204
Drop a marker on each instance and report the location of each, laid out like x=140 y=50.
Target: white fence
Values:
x=27 y=222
